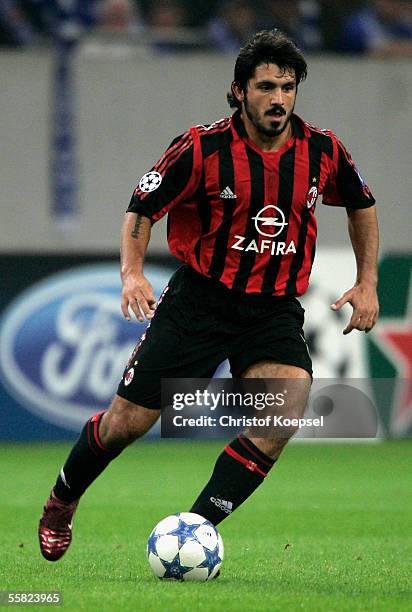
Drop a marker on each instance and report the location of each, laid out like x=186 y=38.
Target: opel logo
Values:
x=277 y=221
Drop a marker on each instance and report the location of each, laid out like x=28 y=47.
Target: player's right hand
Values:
x=137 y=294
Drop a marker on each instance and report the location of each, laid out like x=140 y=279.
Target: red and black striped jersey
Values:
x=243 y=216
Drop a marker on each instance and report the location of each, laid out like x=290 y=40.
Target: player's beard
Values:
x=257 y=120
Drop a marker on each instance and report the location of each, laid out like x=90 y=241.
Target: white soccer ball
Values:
x=185 y=546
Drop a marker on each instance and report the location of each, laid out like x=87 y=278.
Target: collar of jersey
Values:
x=299 y=130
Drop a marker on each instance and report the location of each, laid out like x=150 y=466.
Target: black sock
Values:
x=88 y=458
x=239 y=470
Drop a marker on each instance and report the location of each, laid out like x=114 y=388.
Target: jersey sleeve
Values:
x=173 y=179
x=345 y=186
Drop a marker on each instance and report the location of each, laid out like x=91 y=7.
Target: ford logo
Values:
x=64 y=342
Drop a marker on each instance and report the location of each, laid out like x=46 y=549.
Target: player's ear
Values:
x=237 y=92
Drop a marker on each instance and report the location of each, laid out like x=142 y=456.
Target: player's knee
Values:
x=124 y=422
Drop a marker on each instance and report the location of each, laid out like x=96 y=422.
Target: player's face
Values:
x=270 y=99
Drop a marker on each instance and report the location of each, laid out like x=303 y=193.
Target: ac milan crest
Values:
x=128 y=377
x=311 y=197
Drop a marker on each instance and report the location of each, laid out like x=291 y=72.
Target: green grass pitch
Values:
x=330 y=529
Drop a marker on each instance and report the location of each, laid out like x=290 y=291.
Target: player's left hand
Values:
x=364 y=301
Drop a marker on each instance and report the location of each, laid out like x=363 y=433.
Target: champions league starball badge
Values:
x=150 y=181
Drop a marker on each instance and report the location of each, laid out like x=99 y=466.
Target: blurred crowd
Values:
x=368 y=27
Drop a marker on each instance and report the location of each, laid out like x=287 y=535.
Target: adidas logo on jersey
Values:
x=224 y=505
x=228 y=194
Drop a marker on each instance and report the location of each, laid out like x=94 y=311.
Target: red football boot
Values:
x=55 y=527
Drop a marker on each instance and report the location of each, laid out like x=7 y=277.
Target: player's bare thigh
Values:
x=294 y=407
x=124 y=422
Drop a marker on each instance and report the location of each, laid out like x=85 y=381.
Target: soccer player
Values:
x=241 y=196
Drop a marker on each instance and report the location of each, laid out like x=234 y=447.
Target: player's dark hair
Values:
x=266 y=47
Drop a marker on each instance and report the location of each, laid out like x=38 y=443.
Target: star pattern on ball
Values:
x=151 y=543
x=212 y=559
x=184 y=532
x=174 y=569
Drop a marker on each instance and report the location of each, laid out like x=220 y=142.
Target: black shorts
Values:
x=199 y=323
